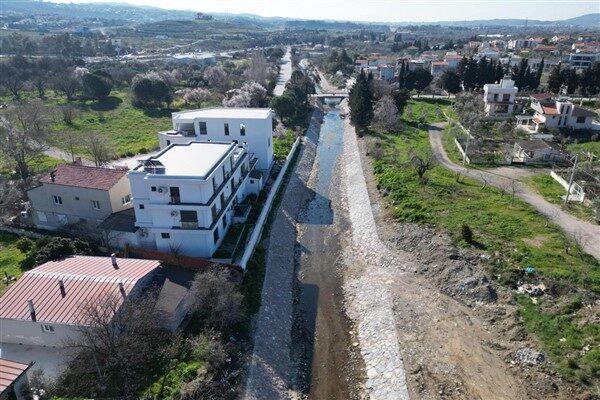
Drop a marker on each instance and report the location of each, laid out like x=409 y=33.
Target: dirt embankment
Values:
x=460 y=333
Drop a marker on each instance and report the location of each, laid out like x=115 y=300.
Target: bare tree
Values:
x=258 y=70
x=71 y=141
x=99 y=147
x=216 y=77
x=67 y=83
x=196 y=96
x=68 y=112
x=386 y=113
x=23 y=135
x=251 y=94
x=421 y=163
x=117 y=345
x=217 y=299
x=10 y=196
x=12 y=80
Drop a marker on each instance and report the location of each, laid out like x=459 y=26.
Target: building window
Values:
x=95 y=204
x=224 y=222
x=126 y=199
x=165 y=235
x=77 y=198
x=268 y=142
x=141 y=206
x=251 y=180
x=47 y=328
x=168 y=142
x=153 y=188
x=62 y=219
x=226 y=128
x=57 y=199
x=203 y=128
x=216 y=235
x=580 y=120
x=242 y=129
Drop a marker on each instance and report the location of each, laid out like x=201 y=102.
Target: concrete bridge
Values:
x=332 y=95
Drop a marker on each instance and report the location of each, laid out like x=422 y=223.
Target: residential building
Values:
x=201 y=59
x=453 y=60
x=13 y=379
x=46 y=306
x=387 y=72
x=184 y=197
x=582 y=60
x=77 y=194
x=555 y=114
x=499 y=98
x=438 y=67
x=537 y=151
x=250 y=126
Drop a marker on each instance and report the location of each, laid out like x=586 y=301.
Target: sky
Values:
x=385 y=10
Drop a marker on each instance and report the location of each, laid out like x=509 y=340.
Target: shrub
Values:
x=96 y=85
x=466 y=233
x=24 y=244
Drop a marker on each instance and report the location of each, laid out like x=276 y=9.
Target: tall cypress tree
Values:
x=361 y=101
x=538 y=75
x=555 y=80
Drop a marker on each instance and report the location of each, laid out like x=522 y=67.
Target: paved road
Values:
x=285 y=73
x=587 y=235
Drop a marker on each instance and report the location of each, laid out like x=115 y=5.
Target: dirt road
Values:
x=584 y=233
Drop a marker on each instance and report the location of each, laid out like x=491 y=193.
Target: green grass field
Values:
x=500 y=224
x=553 y=192
x=587 y=147
x=10 y=259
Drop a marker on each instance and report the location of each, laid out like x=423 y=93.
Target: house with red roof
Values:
x=77 y=194
x=13 y=378
x=47 y=305
x=551 y=113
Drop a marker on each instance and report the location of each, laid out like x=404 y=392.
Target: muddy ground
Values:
x=459 y=332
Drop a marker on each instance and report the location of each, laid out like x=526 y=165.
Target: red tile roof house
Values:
x=13 y=378
x=74 y=193
x=46 y=306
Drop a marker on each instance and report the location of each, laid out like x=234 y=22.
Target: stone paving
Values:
x=368 y=297
x=270 y=369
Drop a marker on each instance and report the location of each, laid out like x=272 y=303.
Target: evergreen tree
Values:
x=555 y=80
x=450 y=82
x=538 y=75
x=361 y=101
x=498 y=72
x=571 y=80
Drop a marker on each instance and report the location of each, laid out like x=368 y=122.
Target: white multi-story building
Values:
x=499 y=98
x=555 y=114
x=184 y=197
x=251 y=126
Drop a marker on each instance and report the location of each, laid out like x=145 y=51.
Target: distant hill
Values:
x=586 y=21
x=140 y=14
x=107 y=11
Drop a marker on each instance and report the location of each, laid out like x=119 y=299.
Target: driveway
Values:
x=587 y=235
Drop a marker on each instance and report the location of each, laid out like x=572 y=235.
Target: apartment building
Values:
x=185 y=197
x=499 y=98
x=249 y=126
x=581 y=61
x=78 y=194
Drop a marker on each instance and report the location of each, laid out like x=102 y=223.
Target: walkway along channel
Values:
x=587 y=235
x=270 y=369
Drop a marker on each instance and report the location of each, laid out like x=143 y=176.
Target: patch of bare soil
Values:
x=459 y=331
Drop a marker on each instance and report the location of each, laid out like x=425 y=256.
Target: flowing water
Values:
x=321 y=328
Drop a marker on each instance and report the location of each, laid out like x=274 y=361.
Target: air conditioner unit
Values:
x=174 y=213
x=162 y=189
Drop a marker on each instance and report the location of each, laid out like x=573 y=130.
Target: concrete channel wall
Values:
x=262 y=218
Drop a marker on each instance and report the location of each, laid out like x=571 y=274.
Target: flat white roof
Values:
x=223 y=112
x=193 y=159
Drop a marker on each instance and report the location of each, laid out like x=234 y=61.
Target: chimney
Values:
x=31 y=310
x=53 y=175
x=122 y=289
x=113 y=258
x=61 y=285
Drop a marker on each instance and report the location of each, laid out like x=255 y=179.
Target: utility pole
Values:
x=571 y=179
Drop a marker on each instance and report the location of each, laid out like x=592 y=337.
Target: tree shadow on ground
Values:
x=159 y=112
x=108 y=104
